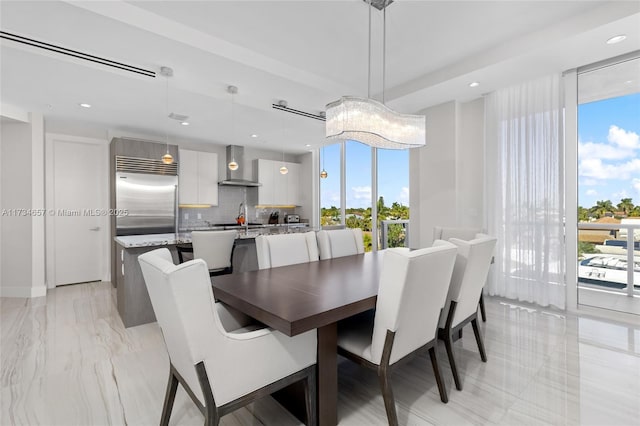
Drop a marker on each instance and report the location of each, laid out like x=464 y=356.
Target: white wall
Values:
x=309 y=182
x=432 y=175
x=446 y=176
x=470 y=165
x=22 y=258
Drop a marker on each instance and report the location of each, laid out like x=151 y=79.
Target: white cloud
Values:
x=330 y=198
x=403 y=197
x=594 y=168
x=592 y=192
x=361 y=192
x=589 y=182
x=590 y=150
x=623 y=139
x=619 y=195
x=636 y=185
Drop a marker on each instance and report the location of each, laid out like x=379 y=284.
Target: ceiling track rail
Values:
x=298 y=112
x=76 y=54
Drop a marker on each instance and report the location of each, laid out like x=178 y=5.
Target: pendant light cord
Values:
x=384 y=49
x=369 y=56
x=166 y=124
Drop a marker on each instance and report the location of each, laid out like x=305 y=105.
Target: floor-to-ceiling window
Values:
x=369 y=175
x=358 y=189
x=393 y=197
x=330 y=212
x=609 y=186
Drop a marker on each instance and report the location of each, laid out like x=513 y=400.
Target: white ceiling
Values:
x=306 y=52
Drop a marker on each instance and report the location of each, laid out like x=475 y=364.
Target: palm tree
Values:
x=625 y=205
x=583 y=214
x=601 y=208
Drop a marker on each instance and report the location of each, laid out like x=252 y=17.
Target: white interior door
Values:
x=81 y=217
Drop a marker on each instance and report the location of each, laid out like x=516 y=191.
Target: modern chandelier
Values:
x=369 y=121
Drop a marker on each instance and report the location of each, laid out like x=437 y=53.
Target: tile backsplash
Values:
x=227 y=210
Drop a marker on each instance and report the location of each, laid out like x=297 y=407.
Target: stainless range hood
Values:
x=236 y=177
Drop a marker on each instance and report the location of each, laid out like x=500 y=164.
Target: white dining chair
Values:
x=413 y=290
x=216 y=249
x=340 y=242
x=444 y=233
x=469 y=275
x=220 y=362
x=286 y=249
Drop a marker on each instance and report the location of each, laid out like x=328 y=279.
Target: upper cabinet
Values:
x=198 y=178
x=278 y=189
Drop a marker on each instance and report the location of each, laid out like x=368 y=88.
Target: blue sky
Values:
x=393 y=178
x=608 y=150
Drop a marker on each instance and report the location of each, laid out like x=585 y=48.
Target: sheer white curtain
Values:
x=525 y=191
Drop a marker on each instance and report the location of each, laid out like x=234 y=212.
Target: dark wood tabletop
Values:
x=297 y=298
x=315 y=295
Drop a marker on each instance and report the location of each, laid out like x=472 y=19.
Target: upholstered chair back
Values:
x=413 y=289
x=340 y=242
x=214 y=247
x=183 y=302
x=286 y=249
x=444 y=233
x=469 y=275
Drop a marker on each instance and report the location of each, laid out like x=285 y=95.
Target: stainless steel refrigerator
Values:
x=145 y=203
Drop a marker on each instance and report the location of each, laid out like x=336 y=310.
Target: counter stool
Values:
x=182 y=249
x=216 y=249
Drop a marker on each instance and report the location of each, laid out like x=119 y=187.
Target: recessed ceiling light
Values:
x=629 y=81
x=474 y=84
x=254 y=136
x=616 y=39
x=308 y=145
x=83 y=105
x=184 y=123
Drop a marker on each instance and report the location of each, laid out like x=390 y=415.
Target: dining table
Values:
x=314 y=295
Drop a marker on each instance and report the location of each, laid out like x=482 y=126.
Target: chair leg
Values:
x=448 y=344
x=311 y=398
x=436 y=372
x=211 y=418
x=482 y=311
x=387 y=395
x=170 y=396
x=476 y=331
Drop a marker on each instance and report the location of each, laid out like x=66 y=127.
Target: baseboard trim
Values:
x=28 y=292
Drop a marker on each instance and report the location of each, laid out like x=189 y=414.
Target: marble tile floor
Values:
x=66 y=359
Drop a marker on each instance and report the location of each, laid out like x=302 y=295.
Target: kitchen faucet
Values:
x=242 y=212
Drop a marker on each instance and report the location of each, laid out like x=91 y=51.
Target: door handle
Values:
x=97 y=228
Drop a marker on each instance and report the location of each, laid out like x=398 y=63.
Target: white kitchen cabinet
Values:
x=198 y=178
x=265 y=177
x=278 y=189
x=293 y=184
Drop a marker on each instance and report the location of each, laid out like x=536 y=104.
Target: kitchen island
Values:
x=134 y=305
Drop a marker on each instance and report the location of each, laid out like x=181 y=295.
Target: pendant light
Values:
x=283 y=170
x=323 y=173
x=233 y=165
x=167 y=72
x=369 y=121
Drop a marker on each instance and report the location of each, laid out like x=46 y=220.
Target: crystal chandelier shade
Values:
x=371 y=122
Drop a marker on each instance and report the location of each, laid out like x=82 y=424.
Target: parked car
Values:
x=608 y=271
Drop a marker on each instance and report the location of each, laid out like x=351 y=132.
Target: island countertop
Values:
x=184 y=237
x=153 y=240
